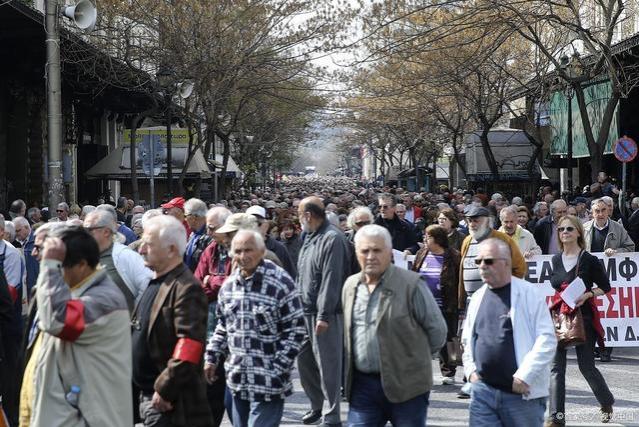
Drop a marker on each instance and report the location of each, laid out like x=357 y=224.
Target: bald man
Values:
x=323 y=266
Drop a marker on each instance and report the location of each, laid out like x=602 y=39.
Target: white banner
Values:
x=619 y=308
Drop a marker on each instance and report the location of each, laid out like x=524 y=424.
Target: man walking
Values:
x=260 y=330
x=169 y=332
x=509 y=342
x=404 y=235
x=323 y=266
x=388 y=314
x=83 y=372
x=195 y=216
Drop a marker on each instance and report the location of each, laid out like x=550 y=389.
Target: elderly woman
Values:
x=523 y=217
x=358 y=218
x=438 y=264
x=447 y=219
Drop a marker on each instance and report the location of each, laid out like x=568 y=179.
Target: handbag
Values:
x=569 y=323
x=569 y=327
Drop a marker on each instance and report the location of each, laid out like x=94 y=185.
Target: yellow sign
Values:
x=179 y=137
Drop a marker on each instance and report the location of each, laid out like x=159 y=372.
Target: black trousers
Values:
x=448 y=369
x=10 y=378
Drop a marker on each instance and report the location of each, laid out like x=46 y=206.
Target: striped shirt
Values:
x=472 y=280
x=431 y=272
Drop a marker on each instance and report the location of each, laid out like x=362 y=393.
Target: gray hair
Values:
x=362 y=210
x=256 y=235
x=400 y=205
x=48 y=228
x=146 y=216
x=10 y=230
x=86 y=210
x=599 y=201
x=608 y=200
x=374 y=231
x=219 y=214
x=2 y=221
x=517 y=201
x=537 y=207
x=32 y=212
x=195 y=207
x=170 y=231
x=103 y=218
x=108 y=208
x=512 y=210
x=554 y=205
x=63 y=205
x=135 y=218
x=635 y=202
x=20 y=220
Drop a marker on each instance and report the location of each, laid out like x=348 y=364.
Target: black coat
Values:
x=543 y=233
x=403 y=233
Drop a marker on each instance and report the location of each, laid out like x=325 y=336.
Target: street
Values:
x=581 y=407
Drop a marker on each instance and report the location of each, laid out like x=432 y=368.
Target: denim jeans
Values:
x=586 y=362
x=369 y=407
x=491 y=407
x=257 y=414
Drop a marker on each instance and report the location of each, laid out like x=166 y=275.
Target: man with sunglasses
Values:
x=509 y=342
x=479 y=229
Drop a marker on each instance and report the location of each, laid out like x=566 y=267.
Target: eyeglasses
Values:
x=97 y=227
x=487 y=261
x=59 y=210
x=362 y=223
x=568 y=229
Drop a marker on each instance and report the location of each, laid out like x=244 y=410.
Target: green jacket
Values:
x=406 y=347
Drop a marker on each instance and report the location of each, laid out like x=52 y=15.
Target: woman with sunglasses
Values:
x=438 y=264
x=573 y=261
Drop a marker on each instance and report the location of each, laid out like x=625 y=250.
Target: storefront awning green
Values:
x=596 y=97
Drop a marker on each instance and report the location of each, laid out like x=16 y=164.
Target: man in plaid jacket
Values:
x=260 y=329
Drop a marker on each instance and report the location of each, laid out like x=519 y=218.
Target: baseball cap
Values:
x=256 y=210
x=176 y=202
x=238 y=221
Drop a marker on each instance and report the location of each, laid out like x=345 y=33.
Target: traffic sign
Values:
x=625 y=149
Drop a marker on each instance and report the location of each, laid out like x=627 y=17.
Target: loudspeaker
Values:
x=84 y=14
x=185 y=88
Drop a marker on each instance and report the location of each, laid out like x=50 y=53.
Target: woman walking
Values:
x=574 y=261
x=438 y=264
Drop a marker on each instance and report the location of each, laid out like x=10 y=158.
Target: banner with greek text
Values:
x=619 y=308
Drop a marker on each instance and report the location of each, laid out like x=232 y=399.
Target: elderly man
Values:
x=479 y=229
x=62 y=211
x=169 y=333
x=212 y=270
x=404 y=235
x=123 y=265
x=260 y=330
x=509 y=343
x=175 y=208
x=524 y=238
x=35 y=217
x=195 y=215
x=546 y=228
x=84 y=349
x=324 y=264
x=25 y=236
x=385 y=378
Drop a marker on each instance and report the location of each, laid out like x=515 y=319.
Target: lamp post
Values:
x=165 y=76
x=572 y=69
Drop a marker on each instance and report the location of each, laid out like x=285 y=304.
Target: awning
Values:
x=231 y=167
x=117 y=165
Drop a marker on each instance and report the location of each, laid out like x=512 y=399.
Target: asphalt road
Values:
x=622 y=375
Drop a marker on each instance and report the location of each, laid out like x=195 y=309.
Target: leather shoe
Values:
x=463 y=395
x=606 y=413
x=312 y=416
x=605 y=357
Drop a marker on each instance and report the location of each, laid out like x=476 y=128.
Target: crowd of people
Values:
x=115 y=314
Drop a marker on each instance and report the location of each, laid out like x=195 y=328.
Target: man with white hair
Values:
x=195 y=216
x=26 y=237
x=260 y=330
x=524 y=238
x=385 y=379
x=169 y=332
x=62 y=210
x=123 y=265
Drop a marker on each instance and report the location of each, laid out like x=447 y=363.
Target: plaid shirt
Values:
x=260 y=328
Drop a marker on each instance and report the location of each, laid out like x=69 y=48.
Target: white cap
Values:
x=256 y=210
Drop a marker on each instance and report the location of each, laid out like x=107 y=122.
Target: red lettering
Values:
x=599 y=304
x=625 y=302
x=636 y=288
x=611 y=314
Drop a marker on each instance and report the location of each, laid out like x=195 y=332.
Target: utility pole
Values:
x=54 y=107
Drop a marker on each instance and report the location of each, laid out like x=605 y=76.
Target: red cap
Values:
x=177 y=202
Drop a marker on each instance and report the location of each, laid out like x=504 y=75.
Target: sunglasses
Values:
x=362 y=223
x=59 y=210
x=487 y=261
x=568 y=229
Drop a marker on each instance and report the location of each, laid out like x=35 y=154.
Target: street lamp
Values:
x=572 y=69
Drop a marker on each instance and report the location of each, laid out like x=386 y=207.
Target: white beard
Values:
x=480 y=234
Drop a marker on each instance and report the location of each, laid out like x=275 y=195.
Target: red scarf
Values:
x=557 y=303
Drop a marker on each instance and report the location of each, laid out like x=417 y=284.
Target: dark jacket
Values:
x=449 y=279
x=33 y=266
x=323 y=266
x=180 y=311
x=455 y=239
x=543 y=233
x=632 y=225
x=279 y=249
x=404 y=233
x=293 y=246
